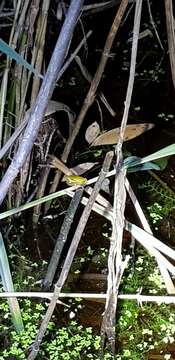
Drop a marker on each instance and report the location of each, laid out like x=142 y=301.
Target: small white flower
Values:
x=163 y=327
x=71 y=315
x=76 y=271
x=147 y=331
x=165 y=339
x=127 y=353
x=6 y=315
x=153 y=291
x=140 y=260
x=167 y=356
x=131 y=337
x=172 y=328
x=171 y=339
x=139 y=268
x=128 y=313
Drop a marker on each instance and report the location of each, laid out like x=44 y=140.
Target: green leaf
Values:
x=8 y=286
x=6 y=49
x=144 y=167
x=162 y=163
x=167 y=151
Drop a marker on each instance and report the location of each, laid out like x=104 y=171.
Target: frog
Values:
x=72 y=180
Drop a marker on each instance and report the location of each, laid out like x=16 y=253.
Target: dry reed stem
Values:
x=170 y=35
x=115 y=263
x=62 y=238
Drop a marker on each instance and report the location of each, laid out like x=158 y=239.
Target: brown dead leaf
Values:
x=111 y=137
x=92 y=132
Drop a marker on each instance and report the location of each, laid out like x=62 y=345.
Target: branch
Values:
x=61 y=240
x=94 y=296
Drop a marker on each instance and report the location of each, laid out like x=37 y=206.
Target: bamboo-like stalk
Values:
x=35 y=14
x=4 y=83
x=18 y=24
x=22 y=77
x=20 y=81
x=39 y=46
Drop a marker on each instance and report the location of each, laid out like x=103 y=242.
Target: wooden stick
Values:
x=87 y=296
x=61 y=240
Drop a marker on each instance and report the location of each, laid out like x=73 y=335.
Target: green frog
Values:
x=72 y=180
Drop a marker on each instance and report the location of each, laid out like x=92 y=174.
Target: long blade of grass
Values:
x=166 y=151
x=46 y=198
x=8 y=286
x=6 y=49
x=147 y=238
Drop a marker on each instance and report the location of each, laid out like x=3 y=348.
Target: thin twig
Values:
x=7 y=14
x=90 y=9
x=153 y=25
x=74 y=54
x=89 y=78
x=61 y=240
x=166 y=299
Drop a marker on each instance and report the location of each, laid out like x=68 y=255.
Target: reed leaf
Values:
x=7 y=284
x=6 y=49
x=167 y=151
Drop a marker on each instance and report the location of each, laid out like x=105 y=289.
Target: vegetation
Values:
x=57 y=128
x=140 y=329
